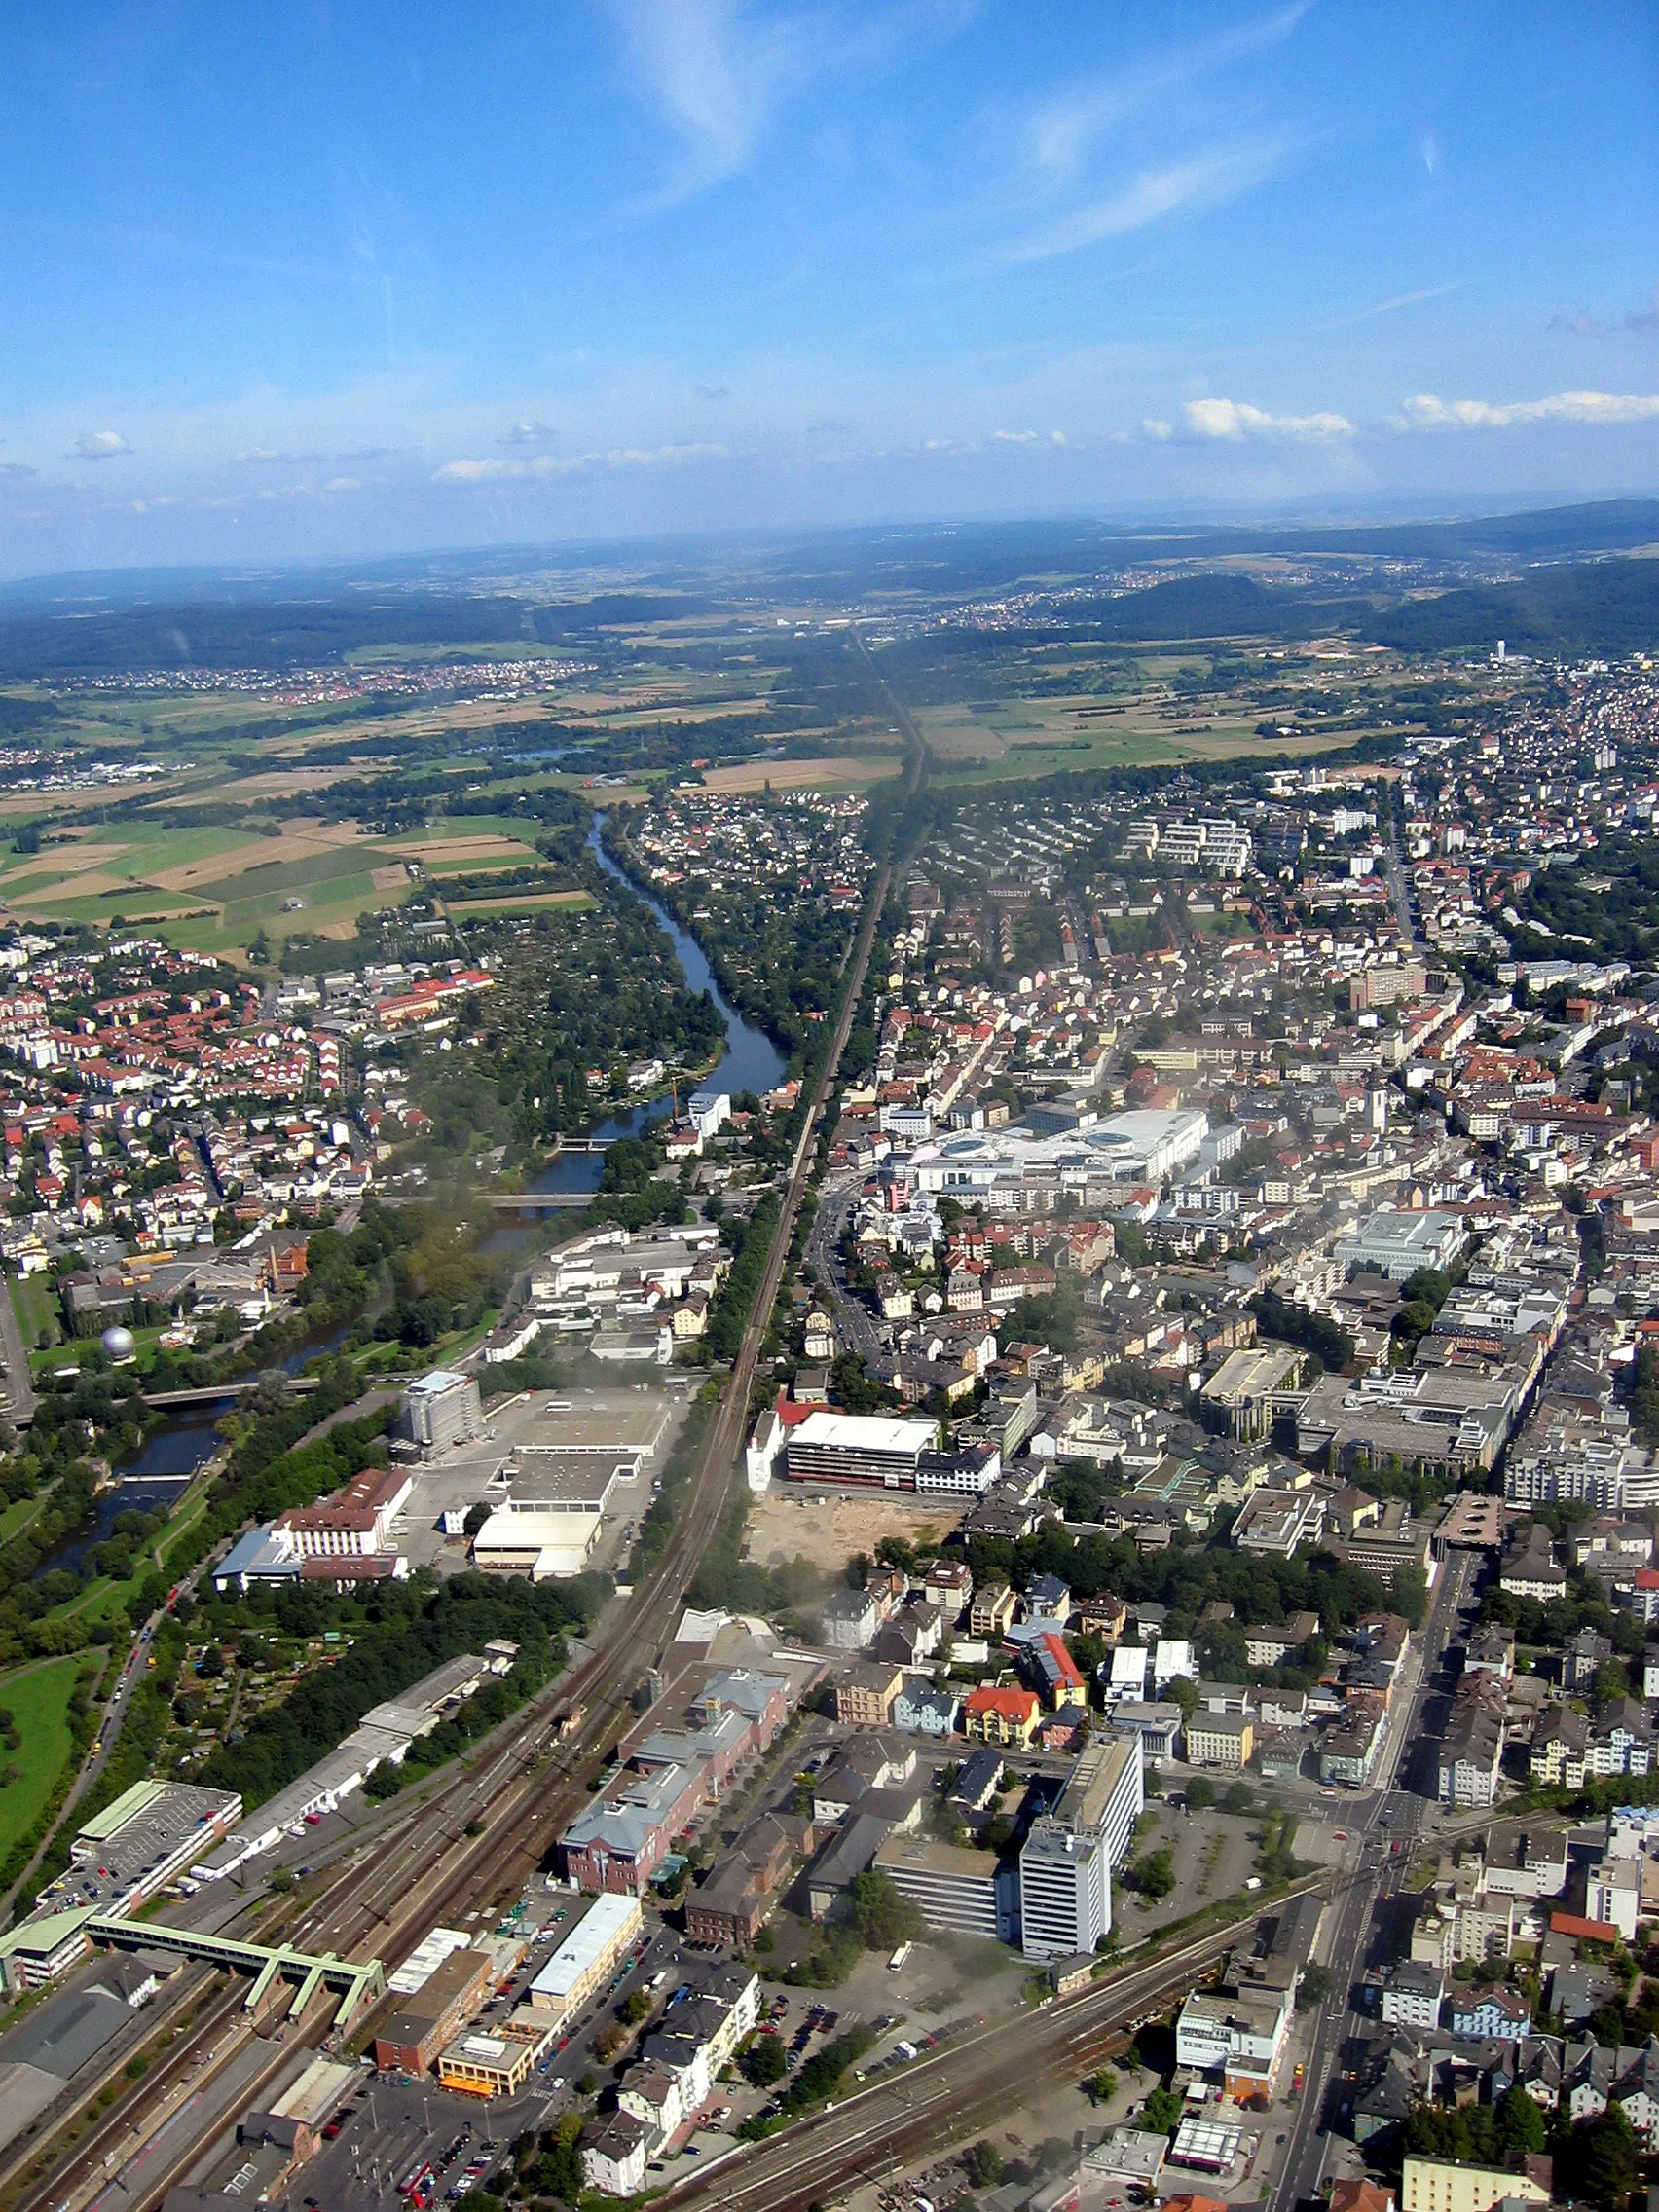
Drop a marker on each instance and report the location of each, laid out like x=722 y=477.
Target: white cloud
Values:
x=1155 y=426
x=1236 y=419
x=529 y=434
x=100 y=445
x=492 y=469
x=488 y=471
x=1424 y=412
x=1192 y=187
x=343 y=484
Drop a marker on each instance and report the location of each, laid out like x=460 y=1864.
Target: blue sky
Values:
x=329 y=279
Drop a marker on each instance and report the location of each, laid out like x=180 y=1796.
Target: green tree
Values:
x=1599 y=2160
x=1162 y=2113
x=984 y=2163
x=1104 y=2086
x=1198 y=1793
x=765 y=2062
x=1313 y=1988
x=883 y=1917
x=1152 y=1874
x=1429 y=1286
x=1410 y=1588
x=1519 y=2122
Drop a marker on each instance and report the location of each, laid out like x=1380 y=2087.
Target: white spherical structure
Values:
x=118 y=1343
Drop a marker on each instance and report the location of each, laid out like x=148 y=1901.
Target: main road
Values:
x=1395 y=1816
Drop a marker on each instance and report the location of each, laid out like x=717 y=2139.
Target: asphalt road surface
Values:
x=1396 y=1815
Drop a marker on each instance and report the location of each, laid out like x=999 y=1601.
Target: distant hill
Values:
x=1590 y=607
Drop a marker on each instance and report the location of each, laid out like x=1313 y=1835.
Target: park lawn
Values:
x=961 y=763
x=144 y=1341
x=17 y=1515
x=37 y=1697
x=36 y=1308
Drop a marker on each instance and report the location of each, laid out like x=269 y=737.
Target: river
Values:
x=750 y=1061
x=170 y=1454
x=152 y=1480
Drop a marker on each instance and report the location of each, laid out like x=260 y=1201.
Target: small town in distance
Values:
x=1159 y=1709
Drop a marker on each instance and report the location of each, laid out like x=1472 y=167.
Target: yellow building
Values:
x=864 y=1694
x=498 y=2062
x=991 y=1610
x=1220 y=1739
x=1441 y=2184
x=1002 y=1717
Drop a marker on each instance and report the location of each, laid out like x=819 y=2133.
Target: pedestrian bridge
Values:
x=356 y=1985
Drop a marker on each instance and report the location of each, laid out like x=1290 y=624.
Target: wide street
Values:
x=855 y=1327
x=1388 y=1824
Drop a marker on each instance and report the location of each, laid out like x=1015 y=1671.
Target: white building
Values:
x=1412 y=1995
x=442 y=1409
x=1613 y=1894
x=708 y=1111
x=1149 y=1146
x=1396 y=1243
x=1238 y=2039
x=763 y=1451
x=1065 y=1867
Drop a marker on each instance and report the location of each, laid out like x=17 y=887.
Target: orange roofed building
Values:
x=1361 y=2196
x=1002 y=1717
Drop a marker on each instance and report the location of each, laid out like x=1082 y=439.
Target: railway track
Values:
x=519 y=1796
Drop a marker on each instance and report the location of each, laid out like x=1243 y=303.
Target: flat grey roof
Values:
x=67 y=2031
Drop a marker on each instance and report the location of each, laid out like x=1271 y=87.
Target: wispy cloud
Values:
x=1393 y=305
x=1065 y=132
x=716 y=74
x=1424 y=412
x=720 y=71
x=1190 y=187
x=1029 y=437
x=100 y=445
x=1235 y=419
x=529 y=434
